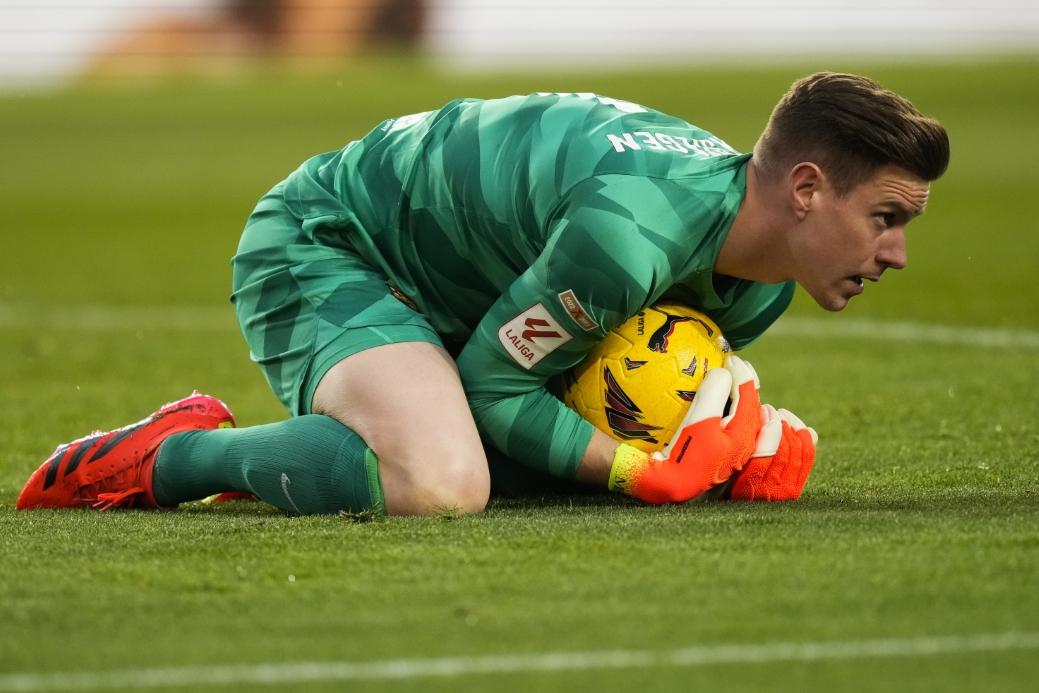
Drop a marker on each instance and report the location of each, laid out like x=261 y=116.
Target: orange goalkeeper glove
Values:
x=706 y=450
x=781 y=462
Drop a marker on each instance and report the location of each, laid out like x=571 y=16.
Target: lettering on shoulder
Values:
x=662 y=142
x=625 y=106
x=532 y=335
x=404 y=121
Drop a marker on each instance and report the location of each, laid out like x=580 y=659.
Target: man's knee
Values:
x=438 y=479
x=406 y=401
x=465 y=484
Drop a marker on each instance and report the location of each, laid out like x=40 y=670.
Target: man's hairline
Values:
x=842 y=195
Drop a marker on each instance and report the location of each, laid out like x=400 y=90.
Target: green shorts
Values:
x=304 y=304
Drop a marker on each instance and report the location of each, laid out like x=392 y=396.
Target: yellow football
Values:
x=638 y=383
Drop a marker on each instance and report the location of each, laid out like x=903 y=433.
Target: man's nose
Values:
x=892 y=251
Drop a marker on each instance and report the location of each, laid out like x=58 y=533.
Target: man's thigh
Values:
x=334 y=337
x=406 y=401
x=304 y=306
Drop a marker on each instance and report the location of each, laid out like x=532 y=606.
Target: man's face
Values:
x=843 y=241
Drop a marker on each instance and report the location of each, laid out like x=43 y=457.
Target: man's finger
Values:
x=771 y=432
x=710 y=397
x=753 y=372
x=790 y=488
x=791 y=418
x=797 y=424
x=709 y=403
x=742 y=374
x=808 y=459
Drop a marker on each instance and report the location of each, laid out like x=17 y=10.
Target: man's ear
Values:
x=805 y=181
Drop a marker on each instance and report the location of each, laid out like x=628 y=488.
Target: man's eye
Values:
x=888 y=219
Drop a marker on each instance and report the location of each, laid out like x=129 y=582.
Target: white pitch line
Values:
x=93 y=318
x=560 y=661
x=214 y=318
x=876 y=330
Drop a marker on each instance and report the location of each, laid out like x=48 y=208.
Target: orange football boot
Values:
x=107 y=470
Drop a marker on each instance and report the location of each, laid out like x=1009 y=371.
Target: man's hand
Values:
x=707 y=449
x=782 y=459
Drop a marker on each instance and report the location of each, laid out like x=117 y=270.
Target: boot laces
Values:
x=126 y=498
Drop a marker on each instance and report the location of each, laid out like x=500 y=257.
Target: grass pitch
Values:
x=921 y=517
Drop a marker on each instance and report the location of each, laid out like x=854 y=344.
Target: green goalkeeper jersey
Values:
x=526 y=228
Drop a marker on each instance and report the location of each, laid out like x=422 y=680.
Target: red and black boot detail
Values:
x=107 y=470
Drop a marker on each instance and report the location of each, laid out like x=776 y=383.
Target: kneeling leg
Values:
x=306 y=465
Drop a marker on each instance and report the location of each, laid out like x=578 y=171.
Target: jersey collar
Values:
x=718 y=290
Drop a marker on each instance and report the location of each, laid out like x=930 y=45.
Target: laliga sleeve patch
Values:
x=532 y=335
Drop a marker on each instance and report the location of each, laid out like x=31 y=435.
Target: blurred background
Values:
x=137 y=135
x=54 y=39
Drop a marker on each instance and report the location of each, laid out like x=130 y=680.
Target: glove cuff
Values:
x=628 y=464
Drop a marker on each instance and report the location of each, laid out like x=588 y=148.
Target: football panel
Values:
x=632 y=385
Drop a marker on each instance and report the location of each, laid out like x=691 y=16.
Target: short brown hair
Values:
x=849 y=126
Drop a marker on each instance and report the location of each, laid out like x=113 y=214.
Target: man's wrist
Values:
x=628 y=462
x=625 y=460
x=597 y=460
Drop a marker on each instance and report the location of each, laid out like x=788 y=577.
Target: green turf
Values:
x=922 y=517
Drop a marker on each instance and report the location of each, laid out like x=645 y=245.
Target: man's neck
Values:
x=755 y=247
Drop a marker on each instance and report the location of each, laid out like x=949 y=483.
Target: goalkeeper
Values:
x=409 y=296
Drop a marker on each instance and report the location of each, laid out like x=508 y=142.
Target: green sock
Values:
x=307 y=465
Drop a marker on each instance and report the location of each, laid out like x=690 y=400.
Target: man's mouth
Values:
x=856 y=287
x=859 y=280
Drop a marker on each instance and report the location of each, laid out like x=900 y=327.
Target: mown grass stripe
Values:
x=905 y=332
x=96 y=318
x=560 y=661
x=200 y=318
